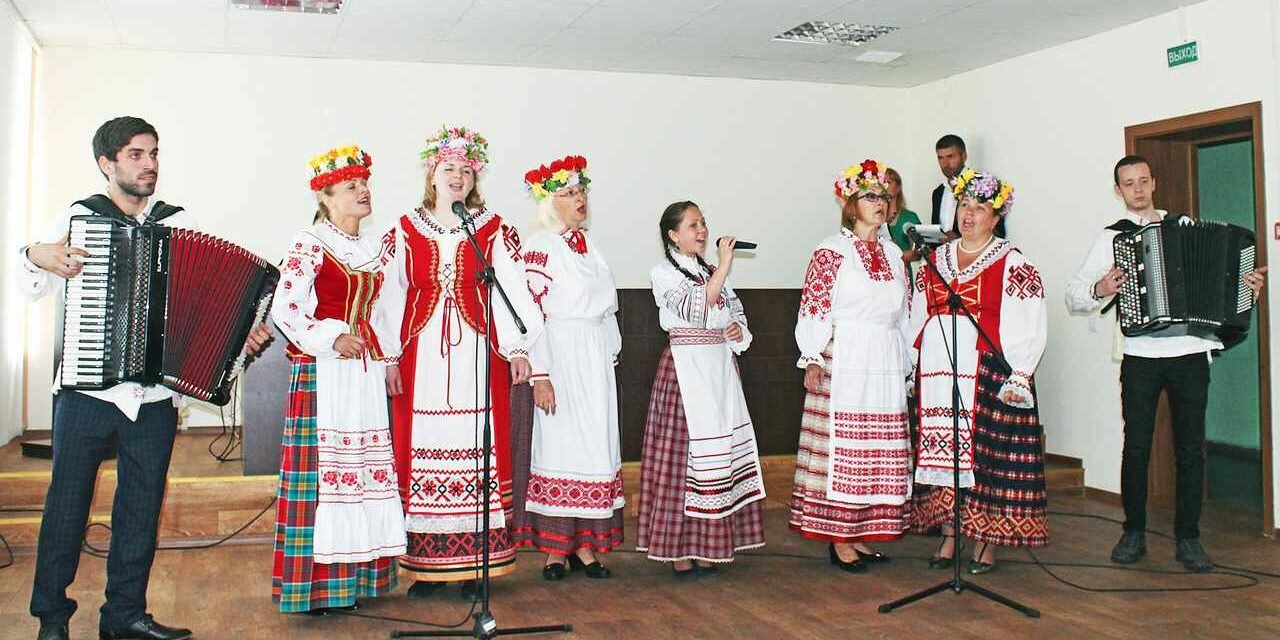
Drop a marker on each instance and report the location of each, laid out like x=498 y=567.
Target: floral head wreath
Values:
x=339 y=165
x=455 y=143
x=985 y=187
x=868 y=176
x=566 y=172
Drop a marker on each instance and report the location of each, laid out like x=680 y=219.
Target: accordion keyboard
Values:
x=85 y=351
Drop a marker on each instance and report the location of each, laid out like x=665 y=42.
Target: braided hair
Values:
x=672 y=216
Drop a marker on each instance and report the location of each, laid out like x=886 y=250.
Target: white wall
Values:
x=236 y=133
x=16 y=51
x=1052 y=123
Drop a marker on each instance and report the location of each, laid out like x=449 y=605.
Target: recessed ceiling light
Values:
x=842 y=33
x=296 y=6
x=879 y=57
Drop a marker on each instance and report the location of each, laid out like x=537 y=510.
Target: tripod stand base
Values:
x=958 y=585
x=486 y=627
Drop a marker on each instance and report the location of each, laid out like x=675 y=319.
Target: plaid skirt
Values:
x=813 y=514
x=549 y=534
x=1007 y=505
x=665 y=532
x=298 y=583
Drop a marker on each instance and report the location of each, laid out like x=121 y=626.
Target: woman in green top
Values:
x=900 y=216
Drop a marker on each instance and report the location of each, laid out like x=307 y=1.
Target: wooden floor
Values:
x=786 y=590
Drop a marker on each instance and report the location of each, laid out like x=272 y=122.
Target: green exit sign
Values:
x=1183 y=54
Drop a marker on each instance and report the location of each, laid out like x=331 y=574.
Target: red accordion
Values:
x=160 y=305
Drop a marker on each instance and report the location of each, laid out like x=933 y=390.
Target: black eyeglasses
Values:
x=876 y=197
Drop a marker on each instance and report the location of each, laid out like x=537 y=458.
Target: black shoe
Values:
x=471 y=590
x=554 y=571
x=1193 y=556
x=1131 y=548
x=146 y=628
x=324 y=611
x=594 y=570
x=938 y=561
x=53 y=632
x=976 y=566
x=709 y=570
x=875 y=557
x=852 y=567
x=419 y=590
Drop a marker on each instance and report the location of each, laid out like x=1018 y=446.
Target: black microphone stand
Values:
x=485 y=625
x=957 y=584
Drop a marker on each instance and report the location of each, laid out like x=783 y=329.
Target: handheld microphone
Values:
x=738 y=244
x=460 y=210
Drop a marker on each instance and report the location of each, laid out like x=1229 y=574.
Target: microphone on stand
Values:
x=913 y=235
x=460 y=210
x=738 y=244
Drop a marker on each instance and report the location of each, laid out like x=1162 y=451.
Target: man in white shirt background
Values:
x=953 y=159
x=1178 y=364
x=140 y=420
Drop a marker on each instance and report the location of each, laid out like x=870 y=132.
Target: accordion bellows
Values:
x=1186 y=279
x=161 y=305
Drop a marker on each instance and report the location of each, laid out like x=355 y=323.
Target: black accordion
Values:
x=160 y=305
x=1186 y=279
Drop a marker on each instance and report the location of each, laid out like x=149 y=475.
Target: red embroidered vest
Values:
x=347 y=295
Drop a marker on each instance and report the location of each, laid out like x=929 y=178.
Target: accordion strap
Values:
x=103 y=206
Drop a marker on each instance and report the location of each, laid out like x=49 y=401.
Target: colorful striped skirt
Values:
x=665 y=532
x=813 y=514
x=1007 y=505
x=298 y=583
x=549 y=534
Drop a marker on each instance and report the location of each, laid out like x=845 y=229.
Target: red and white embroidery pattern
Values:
x=538 y=258
x=511 y=238
x=819 y=282
x=569 y=493
x=874 y=260
x=1024 y=282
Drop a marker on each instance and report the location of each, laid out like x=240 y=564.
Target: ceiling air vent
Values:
x=295 y=6
x=843 y=33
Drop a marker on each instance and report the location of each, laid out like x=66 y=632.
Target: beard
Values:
x=137 y=190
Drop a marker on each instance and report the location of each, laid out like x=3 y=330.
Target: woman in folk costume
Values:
x=1001 y=464
x=573 y=500
x=339 y=526
x=439 y=420
x=701 y=489
x=853 y=477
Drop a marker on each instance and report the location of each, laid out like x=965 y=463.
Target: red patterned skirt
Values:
x=549 y=534
x=1007 y=505
x=813 y=514
x=665 y=532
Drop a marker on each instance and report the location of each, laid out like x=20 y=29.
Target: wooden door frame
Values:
x=1250 y=113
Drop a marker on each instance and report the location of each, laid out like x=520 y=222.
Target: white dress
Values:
x=576 y=462
x=723 y=461
x=853 y=323
x=358 y=515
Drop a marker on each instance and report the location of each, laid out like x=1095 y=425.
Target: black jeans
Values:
x=83 y=429
x=1141 y=380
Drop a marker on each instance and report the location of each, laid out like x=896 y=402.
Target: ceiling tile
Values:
x=513 y=22
x=281 y=33
x=84 y=32
x=895 y=13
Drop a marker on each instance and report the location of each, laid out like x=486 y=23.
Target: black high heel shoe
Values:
x=875 y=557
x=595 y=570
x=852 y=567
x=938 y=561
x=553 y=572
x=976 y=566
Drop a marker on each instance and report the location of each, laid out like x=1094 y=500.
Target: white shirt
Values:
x=682 y=303
x=1080 y=299
x=36 y=283
x=947 y=208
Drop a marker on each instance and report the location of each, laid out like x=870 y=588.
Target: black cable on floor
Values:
x=102 y=553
